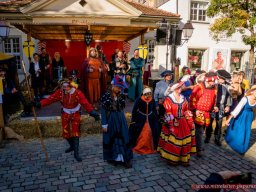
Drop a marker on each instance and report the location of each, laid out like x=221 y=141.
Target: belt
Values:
x=72 y=110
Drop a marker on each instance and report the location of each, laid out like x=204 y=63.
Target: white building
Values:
x=201 y=49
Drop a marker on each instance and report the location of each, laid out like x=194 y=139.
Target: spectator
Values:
x=36 y=70
x=58 y=67
x=135 y=71
x=10 y=93
x=45 y=61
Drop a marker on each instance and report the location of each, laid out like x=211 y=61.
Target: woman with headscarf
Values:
x=240 y=123
x=116 y=140
x=177 y=138
x=144 y=128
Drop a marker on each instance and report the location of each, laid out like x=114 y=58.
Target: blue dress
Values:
x=239 y=130
x=116 y=141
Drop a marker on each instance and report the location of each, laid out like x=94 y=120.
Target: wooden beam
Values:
x=136 y=35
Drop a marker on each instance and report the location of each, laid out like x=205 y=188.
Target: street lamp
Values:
x=173 y=36
x=188 y=30
x=4 y=31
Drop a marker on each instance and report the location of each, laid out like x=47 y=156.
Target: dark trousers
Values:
x=199 y=136
x=217 y=131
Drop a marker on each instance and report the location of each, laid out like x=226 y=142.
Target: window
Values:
x=198 y=11
x=235 y=63
x=12 y=47
x=195 y=57
x=151 y=46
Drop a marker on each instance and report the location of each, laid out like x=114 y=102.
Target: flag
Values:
x=126 y=47
x=40 y=45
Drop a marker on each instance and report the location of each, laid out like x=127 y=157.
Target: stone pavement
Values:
x=23 y=168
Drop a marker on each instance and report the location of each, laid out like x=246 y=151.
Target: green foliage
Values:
x=233 y=16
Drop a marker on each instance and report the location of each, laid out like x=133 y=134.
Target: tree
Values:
x=235 y=16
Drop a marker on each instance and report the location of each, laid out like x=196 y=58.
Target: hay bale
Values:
x=52 y=128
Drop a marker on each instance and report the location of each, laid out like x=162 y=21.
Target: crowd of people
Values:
x=171 y=119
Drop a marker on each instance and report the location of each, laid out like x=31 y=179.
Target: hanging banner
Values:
x=143 y=51
x=28 y=48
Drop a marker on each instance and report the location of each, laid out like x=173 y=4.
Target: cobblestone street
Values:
x=23 y=168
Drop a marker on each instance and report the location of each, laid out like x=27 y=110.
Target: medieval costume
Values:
x=105 y=69
x=90 y=77
x=202 y=102
x=147 y=73
x=188 y=86
x=135 y=71
x=71 y=100
x=177 y=139
x=240 y=123
x=159 y=93
x=144 y=128
x=116 y=142
x=223 y=103
x=120 y=66
x=36 y=70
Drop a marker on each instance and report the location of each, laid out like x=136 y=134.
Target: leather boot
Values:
x=71 y=143
x=76 y=149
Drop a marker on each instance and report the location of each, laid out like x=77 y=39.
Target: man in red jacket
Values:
x=72 y=100
x=203 y=102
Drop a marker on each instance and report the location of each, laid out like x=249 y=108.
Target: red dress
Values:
x=71 y=103
x=177 y=138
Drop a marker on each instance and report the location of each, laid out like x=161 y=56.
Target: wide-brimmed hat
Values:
x=177 y=85
x=167 y=72
x=223 y=74
x=118 y=82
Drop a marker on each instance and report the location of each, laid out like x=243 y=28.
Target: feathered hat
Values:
x=118 y=82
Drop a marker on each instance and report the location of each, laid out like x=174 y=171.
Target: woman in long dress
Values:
x=116 y=142
x=144 y=128
x=177 y=139
x=240 y=122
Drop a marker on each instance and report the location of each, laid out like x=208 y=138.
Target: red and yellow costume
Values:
x=177 y=138
x=71 y=103
x=203 y=100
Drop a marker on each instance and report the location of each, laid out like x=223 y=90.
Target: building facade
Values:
x=200 y=50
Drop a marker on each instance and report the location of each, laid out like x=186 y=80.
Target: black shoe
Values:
x=199 y=154
x=218 y=143
x=207 y=140
x=128 y=164
x=71 y=143
x=76 y=149
x=112 y=162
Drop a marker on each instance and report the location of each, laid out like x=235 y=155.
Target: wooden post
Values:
x=87 y=51
x=142 y=39
x=34 y=113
